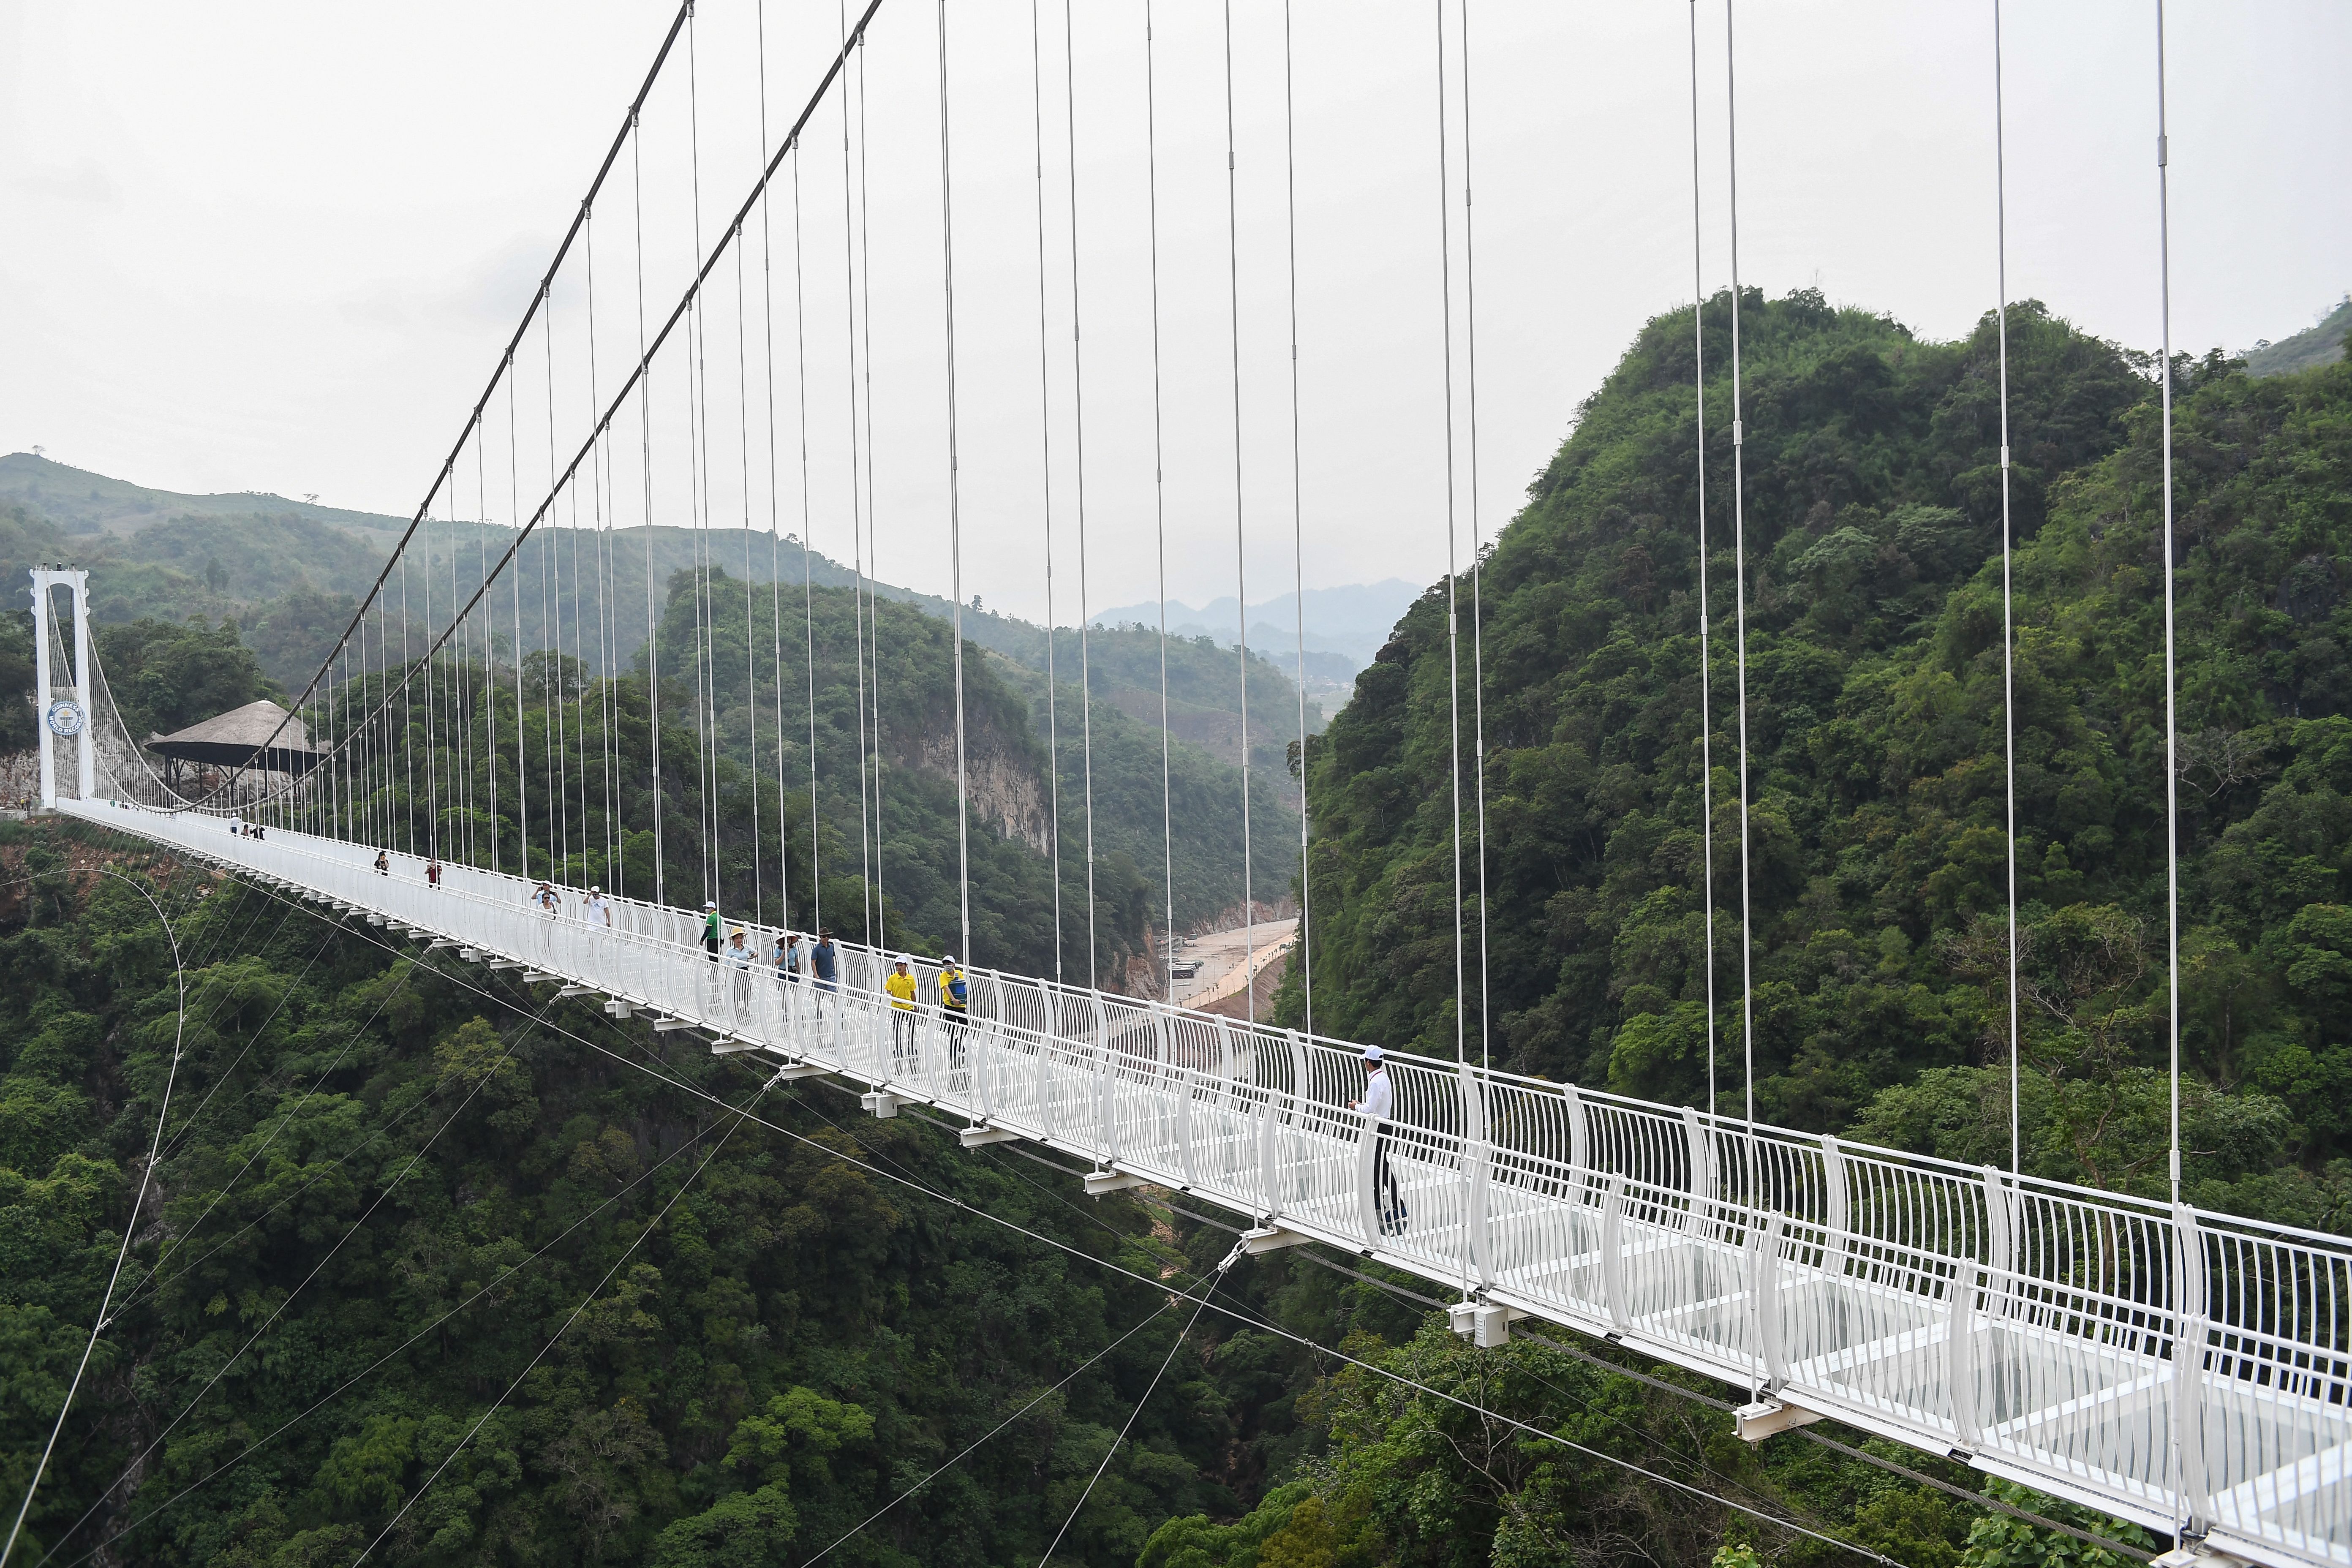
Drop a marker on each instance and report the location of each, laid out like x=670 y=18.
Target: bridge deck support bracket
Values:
x=2196 y=1555
x=791 y=1070
x=468 y=954
x=975 y=1137
x=1483 y=1324
x=1268 y=1239
x=439 y=943
x=882 y=1105
x=664 y=1026
x=1101 y=1182
x=537 y=978
x=507 y=964
x=619 y=1008
x=732 y=1047
x=1760 y=1420
x=574 y=990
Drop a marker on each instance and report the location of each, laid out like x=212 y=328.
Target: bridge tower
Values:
x=64 y=715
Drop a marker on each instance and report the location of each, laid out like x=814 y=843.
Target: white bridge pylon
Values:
x=2158 y=1364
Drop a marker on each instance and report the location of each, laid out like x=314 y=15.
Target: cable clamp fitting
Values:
x=1738 y=433
x=2163 y=149
x=2004 y=454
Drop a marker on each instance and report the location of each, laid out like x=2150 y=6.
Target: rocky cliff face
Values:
x=1008 y=791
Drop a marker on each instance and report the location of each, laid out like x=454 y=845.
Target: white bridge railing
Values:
x=2159 y=1364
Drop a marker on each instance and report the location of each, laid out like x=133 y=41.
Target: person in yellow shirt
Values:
x=901 y=987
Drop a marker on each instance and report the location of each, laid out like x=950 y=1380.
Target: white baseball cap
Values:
x=1371 y=1053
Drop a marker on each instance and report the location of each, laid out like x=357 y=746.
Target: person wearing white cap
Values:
x=955 y=1008
x=740 y=957
x=901 y=987
x=1378 y=1104
x=710 y=928
x=599 y=912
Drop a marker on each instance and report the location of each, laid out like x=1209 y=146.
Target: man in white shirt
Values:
x=1378 y=1104
x=599 y=912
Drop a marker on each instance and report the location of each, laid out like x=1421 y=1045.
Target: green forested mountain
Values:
x=1873 y=519
x=386 y=1187
x=402 y=1184
x=287 y=581
x=422 y=1240
x=2318 y=344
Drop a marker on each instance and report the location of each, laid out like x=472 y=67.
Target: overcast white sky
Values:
x=280 y=245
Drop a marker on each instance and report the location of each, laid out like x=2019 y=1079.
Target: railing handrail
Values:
x=1669 y=1120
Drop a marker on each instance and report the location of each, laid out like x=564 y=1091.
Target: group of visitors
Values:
x=818 y=965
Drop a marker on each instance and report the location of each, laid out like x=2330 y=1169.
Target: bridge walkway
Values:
x=2149 y=1362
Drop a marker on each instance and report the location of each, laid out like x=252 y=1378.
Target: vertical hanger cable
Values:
x=1241 y=558
x=1160 y=497
x=1453 y=630
x=1298 y=529
x=2008 y=617
x=1705 y=661
x=1477 y=618
x=1078 y=405
x=1046 y=483
x=1739 y=566
x=955 y=509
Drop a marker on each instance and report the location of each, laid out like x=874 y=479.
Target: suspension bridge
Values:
x=2188 y=1371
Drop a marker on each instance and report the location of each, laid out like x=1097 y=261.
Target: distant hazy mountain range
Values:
x=1345 y=626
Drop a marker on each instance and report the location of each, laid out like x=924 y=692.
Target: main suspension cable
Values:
x=637 y=377
x=504 y=363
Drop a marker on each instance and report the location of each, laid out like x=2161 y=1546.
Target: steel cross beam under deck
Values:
x=2155 y=1363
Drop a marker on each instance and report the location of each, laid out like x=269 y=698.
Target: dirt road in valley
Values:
x=1230 y=959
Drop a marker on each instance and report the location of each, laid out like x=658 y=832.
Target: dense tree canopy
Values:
x=422 y=1241
x=1873 y=679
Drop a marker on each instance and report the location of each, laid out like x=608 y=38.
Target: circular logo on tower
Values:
x=66 y=718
